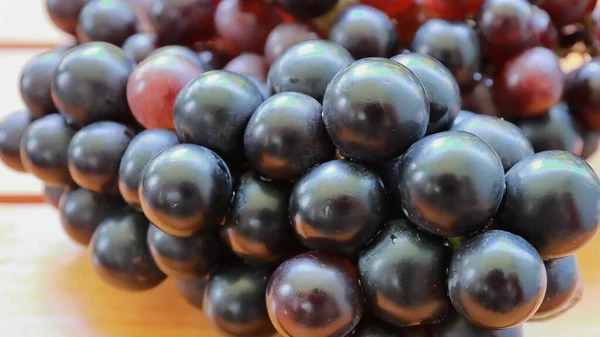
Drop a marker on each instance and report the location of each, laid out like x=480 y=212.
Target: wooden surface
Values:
x=48 y=287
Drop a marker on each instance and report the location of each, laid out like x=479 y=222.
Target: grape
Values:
x=12 y=129
x=44 y=151
x=370 y=327
x=403 y=275
x=193 y=290
x=214 y=109
x=263 y=86
x=455 y=45
x=52 y=194
x=141 y=149
x=284 y=36
x=506 y=139
x=246 y=24
x=36 y=80
x=111 y=21
x=154 y=85
x=257 y=228
x=179 y=51
x=566 y=12
x=389 y=7
x=138 y=46
x=234 y=301
x=556 y=131
x=308 y=67
x=496 y=280
x=95 y=154
x=441 y=87
x=455 y=9
x=409 y=20
x=324 y=22
x=375 y=109
x=184 y=258
x=546 y=33
x=337 y=206
x=365 y=32
x=82 y=211
x=480 y=99
x=551 y=200
x=306 y=9
x=182 y=21
x=591 y=140
x=507 y=27
x=563 y=283
x=458 y=326
x=89 y=84
x=212 y=60
x=120 y=254
x=531 y=83
x=65 y=13
x=461 y=116
x=252 y=65
x=185 y=189
x=582 y=93
x=315 y=294
x=286 y=137
x=450 y=183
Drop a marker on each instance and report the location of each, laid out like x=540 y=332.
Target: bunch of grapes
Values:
x=324 y=168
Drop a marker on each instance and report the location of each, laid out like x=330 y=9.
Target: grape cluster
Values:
x=324 y=168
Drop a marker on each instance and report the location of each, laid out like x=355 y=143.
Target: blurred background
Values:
x=47 y=285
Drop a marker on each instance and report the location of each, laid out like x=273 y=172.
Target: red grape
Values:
x=582 y=92
x=65 y=13
x=531 y=83
x=248 y=64
x=284 y=36
x=455 y=9
x=182 y=21
x=154 y=85
x=306 y=9
x=546 y=34
x=390 y=7
x=410 y=20
x=246 y=24
x=590 y=8
x=566 y=12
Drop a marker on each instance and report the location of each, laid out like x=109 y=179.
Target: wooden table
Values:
x=47 y=285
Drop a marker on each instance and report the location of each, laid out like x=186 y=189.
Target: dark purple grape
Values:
x=95 y=155
x=377 y=328
x=306 y=9
x=375 y=109
x=591 y=139
x=36 y=81
x=249 y=64
x=458 y=326
x=212 y=60
x=337 y=206
x=185 y=189
x=192 y=291
x=52 y=194
x=284 y=36
x=82 y=211
x=90 y=84
x=564 y=13
x=461 y=116
x=555 y=131
x=496 y=280
x=111 y=21
x=403 y=275
x=506 y=139
x=139 y=46
x=563 y=284
x=12 y=129
x=308 y=67
x=455 y=44
x=263 y=86
x=450 y=183
x=141 y=149
x=184 y=258
x=315 y=294
x=257 y=228
x=582 y=93
x=441 y=87
x=286 y=137
x=179 y=51
x=552 y=201
x=365 y=32
x=120 y=253
x=214 y=109
x=234 y=301
x=182 y=21
x=65 y=13
x=44 y=150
